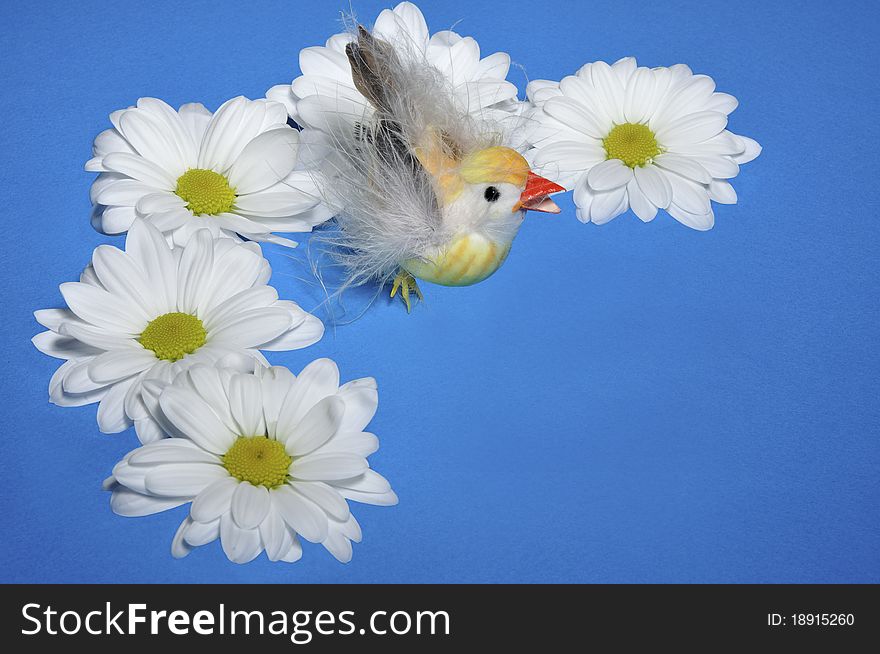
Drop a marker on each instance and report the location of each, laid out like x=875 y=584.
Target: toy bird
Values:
x=423 y=190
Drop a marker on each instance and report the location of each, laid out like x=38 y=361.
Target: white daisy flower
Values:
x=646 y=139
x=154 y=310
x=264 y=458
x=325 y=92
x=234 y=172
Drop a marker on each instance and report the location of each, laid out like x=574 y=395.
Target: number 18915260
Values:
x=811 y=620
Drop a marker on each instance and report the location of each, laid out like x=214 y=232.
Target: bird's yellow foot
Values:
x=406 y=284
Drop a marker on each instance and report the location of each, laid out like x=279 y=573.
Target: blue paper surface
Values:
x=624 y=403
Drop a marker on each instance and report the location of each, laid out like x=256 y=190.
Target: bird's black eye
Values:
x=492 y=194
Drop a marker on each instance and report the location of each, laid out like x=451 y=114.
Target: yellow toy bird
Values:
x=423 y=189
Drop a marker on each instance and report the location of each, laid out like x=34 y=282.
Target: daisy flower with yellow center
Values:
x=626 y=137
x=264 y=458
x=237 y=172
x=153 y=310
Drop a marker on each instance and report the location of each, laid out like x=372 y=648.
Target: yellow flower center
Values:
x=173 y=335
x=259 y=460
x=632 y=143
x=205 y=191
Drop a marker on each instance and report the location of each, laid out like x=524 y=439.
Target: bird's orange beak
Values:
x=536 y=195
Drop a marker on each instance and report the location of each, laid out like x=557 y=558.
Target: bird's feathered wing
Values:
x=385 y=173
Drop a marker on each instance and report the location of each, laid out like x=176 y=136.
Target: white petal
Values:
x=316 y=427
x=305 y=330
x=377 y=499
x=361 y=399
x=692 y=96
x=122 y=276
x=609 y=175
x=251 y=298
x=179 y=135
x=576 y=117
x=194 y=418
x=326 y=62
x=194 y=272
x=148 y=137
x=110 y=140
x=179 y=547
x=294 y=551
x=693 y=128
x=641 y=206
x=332 y=114
x=368 y=482
x=350 y=529
x=479 y=94
x=282 y=93
x=624 y=68
x=246 y=404
x=328 y=467
x=113 y=366
x=610 y=89
x=52 y=318
x=264 y=161
x=639 y=94
x=195 y=118
x=76 y=378
x=275 y=383
x=202 y=533
x=102 y=309
x=283 y=204
x=583 y=199
x=688 y=195
x=251 y=228
x=236 y=123
x=723 y=102
x=722 y=192
x=718 y=166
x=752 y=150
x=170 y=450
x=130 y=476
x=304 y=516
x=132 y=504
x=214 y=500
x=239 y=545
x=252 y=329
x=96 y=337
x=182 y=479
x=684 y=166
x=339 y=546
x=141 y=169
x=150 y=249
x=701 y=222
x=115 y=220
x=565 y=161
x=541 y=90
x=495 y=66
x=149 y=430
x=250 y=504
x=205 y=380
x=324 y=496
x=317 y=380
x=404 y=25
x=160 y=203
x=608 y=205
x=62 y=347
x=654 y=185
x=361 y=443
x=111 y=411
x=275 y=535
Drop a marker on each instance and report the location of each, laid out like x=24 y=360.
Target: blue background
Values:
x=625 y=403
